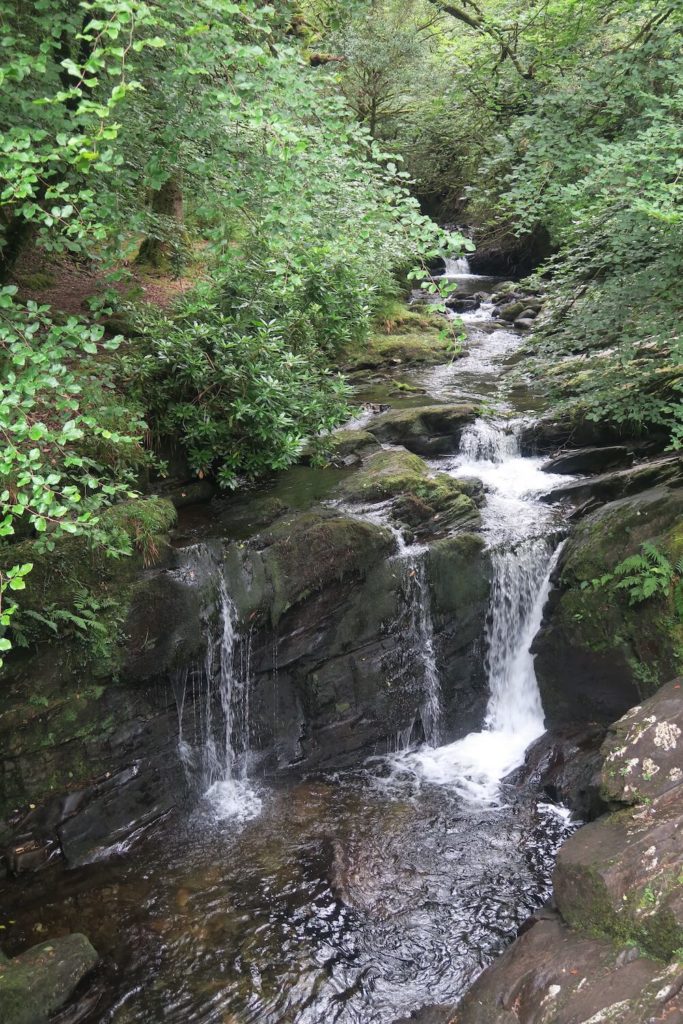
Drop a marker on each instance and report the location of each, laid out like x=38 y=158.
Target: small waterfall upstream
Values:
x=456 y=267
x=522 y=540
x=217 y=754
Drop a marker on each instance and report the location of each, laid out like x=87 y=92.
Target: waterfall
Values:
x=520 y=531
x=519 y=591
x=455 y=268
x=216 y=756
x=422 y=629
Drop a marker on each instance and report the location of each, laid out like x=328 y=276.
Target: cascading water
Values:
x=456 y=267
x=218 y=754
x=422 y=629
x=520 y=532
x=415 y=623
x=359 y=894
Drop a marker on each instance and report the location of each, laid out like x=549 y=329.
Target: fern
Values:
x=643 y=576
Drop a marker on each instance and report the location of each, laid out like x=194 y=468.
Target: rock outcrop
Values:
x=613 y=949
x=597 y=653
x=332 y=628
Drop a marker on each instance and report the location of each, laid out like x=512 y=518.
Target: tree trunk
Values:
x=161 y=249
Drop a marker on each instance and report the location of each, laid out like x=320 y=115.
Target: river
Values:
x=351 y=896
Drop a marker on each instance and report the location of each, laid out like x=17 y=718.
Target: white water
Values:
x=215 y=755
x=423 y=631
x=416 y=622
x=519 y=530
x=457 y=268
x=226 y=748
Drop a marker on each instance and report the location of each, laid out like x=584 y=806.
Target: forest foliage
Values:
x=282 y=155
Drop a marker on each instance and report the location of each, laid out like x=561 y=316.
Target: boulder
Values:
x=524 y=323
x=566 y=766
x=622 y=876
x=426 y=504
x=596 y=654
x=589 y=460
x=510 y=311
x=462 y=304
x=349 y=446
x=552 y=975
x=427 y=430
x=643 y=752
x=35 y=984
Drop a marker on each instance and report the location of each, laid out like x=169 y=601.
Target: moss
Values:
x=387 y=474
x=647 y=637
x=311 y=551
x=37 y=281
x=78 y=594
x=404 y=336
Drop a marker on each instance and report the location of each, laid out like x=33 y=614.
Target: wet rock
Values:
x=38 y=982
x=118 y=812
x=352 y=445
x=523 y=323
x=621 y=483
x=302 y=554
x=590 y=460
x=548 y=433
x=510 y=311
x=622 y=876
x=462 y=304
x=429 y=430
x=643 y=751
x=566 y=767
x=552 y=975
x=387 y=474
x=460 y=574
x=429 y=1015
x=428 y=504
x=596 y=654
x=510 y=255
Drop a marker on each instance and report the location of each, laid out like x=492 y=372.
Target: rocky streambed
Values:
x=284 y=795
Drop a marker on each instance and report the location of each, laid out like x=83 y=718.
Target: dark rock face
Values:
x=511 y=256
x=643 y=751
x=623 y=875
x=620 y=483
x=38 y=982
x=589 y=460
x=596 y=654
x=566 y=767
x=329 y=620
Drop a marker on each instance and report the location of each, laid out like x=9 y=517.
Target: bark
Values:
x=167 y=206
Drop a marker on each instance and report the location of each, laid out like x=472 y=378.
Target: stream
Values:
x=353 y=896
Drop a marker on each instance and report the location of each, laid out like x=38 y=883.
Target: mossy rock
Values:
x=349 y=444
x=386 y=474
x=425 y=430
x=597 y=655
x=429 y=504
x=408 y=337
x=35 y=984
x=303 y=554
x=622 y=876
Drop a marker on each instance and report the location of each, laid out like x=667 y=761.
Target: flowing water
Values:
x=355 y=896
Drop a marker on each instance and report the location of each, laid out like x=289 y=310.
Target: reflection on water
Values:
x=353 y=898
